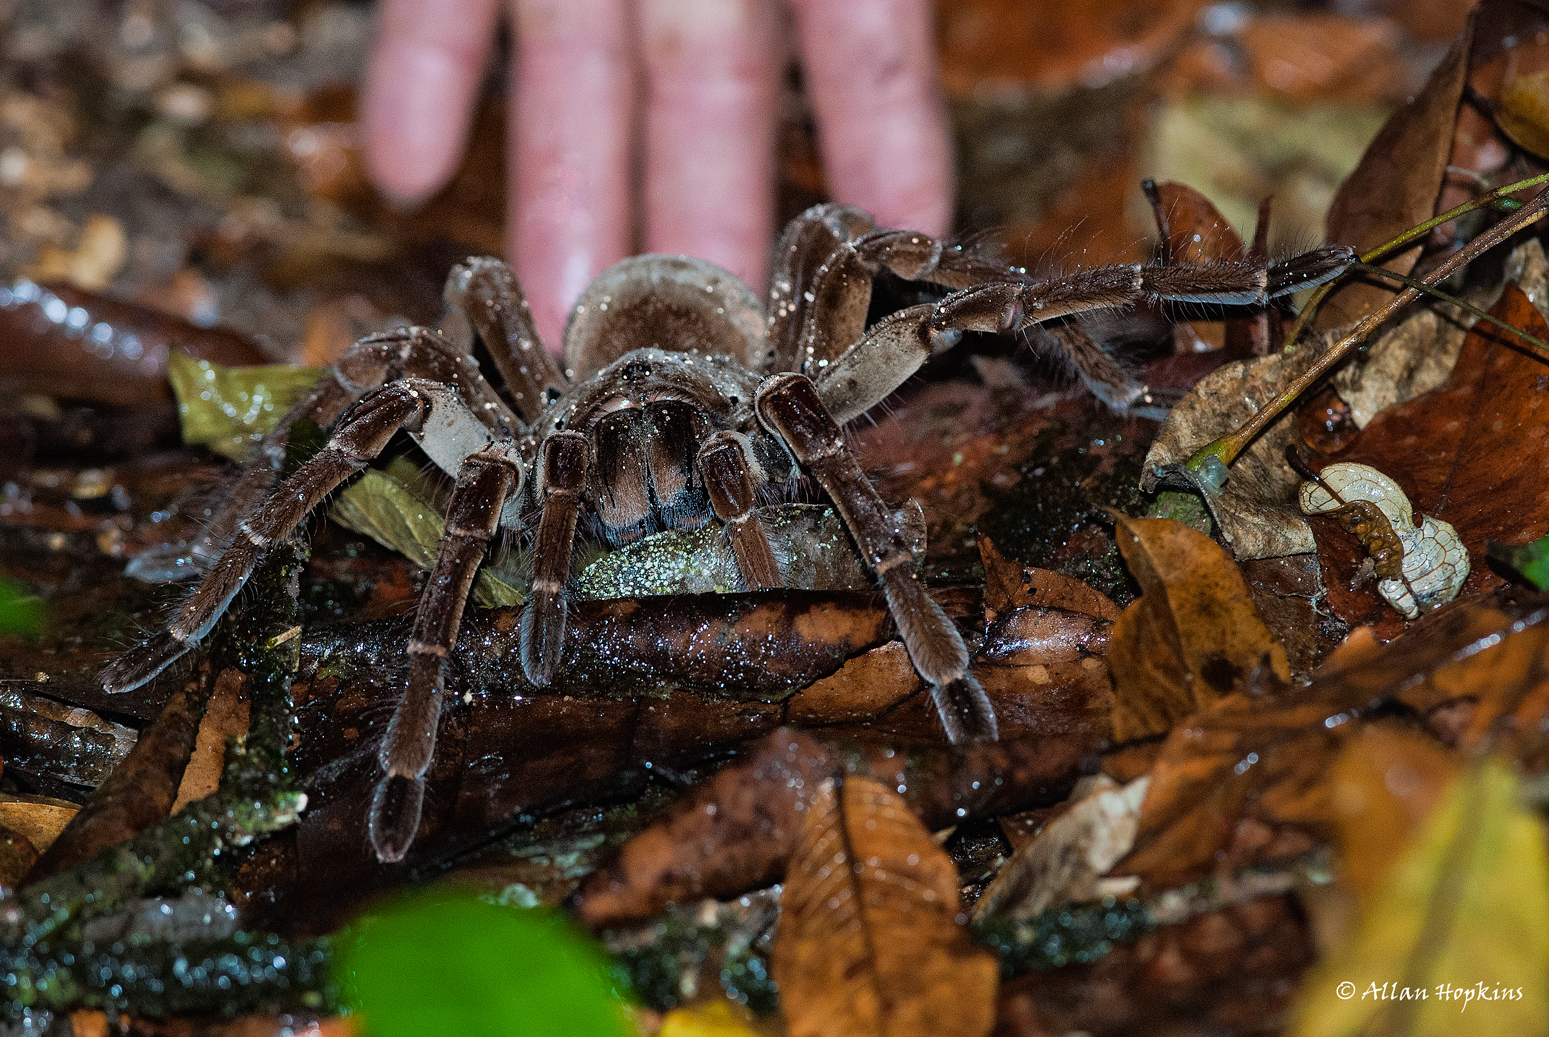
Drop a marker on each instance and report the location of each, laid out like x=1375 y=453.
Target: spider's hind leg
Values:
x=790 y=406
x=485 y=482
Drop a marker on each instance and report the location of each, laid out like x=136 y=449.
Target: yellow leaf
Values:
x=1524 y=112
x=1193 y=636
x=718 y=1018
x=1456 y=940
x=870 y=943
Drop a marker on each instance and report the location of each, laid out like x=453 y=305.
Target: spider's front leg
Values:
x=789 y=405
x=729 y=477
x=487 y=480
x=561 y=479
x=362 y=435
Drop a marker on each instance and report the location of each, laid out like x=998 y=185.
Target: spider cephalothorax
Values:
x=684 y=400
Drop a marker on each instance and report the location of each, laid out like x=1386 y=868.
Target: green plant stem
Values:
x=1228 y=448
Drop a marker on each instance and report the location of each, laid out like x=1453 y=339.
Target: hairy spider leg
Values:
x=729 y=477
x=789 y=405
x=561 y=479
x=363 y=434
x=487 y=480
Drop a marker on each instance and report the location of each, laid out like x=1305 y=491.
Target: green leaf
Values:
x=231 y=409
x=447 y=963
x=393 y=508
x=1456 y=941
x=1531 y=560
x=21 y=614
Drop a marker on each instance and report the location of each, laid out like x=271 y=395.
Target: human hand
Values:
x=702 y=109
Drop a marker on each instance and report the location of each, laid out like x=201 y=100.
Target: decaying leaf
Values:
x=1470 y=453
x=1193 y=636
x=1420 y=567
x=231 y=409
x=869 y=943
x=38 y=819
x=1064 y=862
x=1455 y=940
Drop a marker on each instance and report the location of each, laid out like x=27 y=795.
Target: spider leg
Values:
x=362 y=435
x=789 y=405
x=562 y=476
x=728 y=473
x=484 y=484
x=483 y=291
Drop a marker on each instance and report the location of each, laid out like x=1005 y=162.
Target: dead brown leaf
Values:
x=1396 y=183
x=1193 y=636
x=1247 y=779
x=1472 y=452
x=1009 y=585
x=737 y=831
x=869 y=941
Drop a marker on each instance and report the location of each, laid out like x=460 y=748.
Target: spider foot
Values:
x=543 y=637
x=965 y=711
x=395 y=816
x=142 y=662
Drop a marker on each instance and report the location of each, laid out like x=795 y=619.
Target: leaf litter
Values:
x=1218 y=811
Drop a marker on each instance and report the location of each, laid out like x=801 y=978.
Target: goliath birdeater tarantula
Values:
x=684 y=399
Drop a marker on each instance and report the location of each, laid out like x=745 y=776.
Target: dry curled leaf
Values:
x=1193 y=636
x=1063 y=862
x=869 y=942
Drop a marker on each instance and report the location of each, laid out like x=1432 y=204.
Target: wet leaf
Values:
x=1524 y=112
x=384 y=506
x=1461 y=918
x=1193 y=636
x=1254 y=508
x=38 y=819
x=1010 y=585
x=231 y=409
x=1248 y=779
x=869 y=940
x=1470 y=453
x=1063 y=862
x=450 y=964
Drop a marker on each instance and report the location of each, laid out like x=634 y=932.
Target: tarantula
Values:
x=683 y=400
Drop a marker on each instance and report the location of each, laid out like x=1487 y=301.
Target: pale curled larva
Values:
x=1434 y=563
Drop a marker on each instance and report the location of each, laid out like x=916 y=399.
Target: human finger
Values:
x=422 y=78
x=569 y=150
x=872 y=74
x=709 y=130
